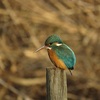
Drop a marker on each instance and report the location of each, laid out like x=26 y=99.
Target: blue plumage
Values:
x=60 y=54
x=65 y=54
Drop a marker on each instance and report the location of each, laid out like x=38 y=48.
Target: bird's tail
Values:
x=70 y=71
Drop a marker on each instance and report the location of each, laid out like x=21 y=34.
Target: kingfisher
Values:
x=60 y=54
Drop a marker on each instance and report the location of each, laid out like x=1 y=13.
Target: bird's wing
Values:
x=67 y=55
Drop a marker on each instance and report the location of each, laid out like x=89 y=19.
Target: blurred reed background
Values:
x=24 y=26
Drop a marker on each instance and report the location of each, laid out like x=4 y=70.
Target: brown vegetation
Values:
x=24 y=26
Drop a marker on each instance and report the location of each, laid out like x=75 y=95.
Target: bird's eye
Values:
x=50 y=43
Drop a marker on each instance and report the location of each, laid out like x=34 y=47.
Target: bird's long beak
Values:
x=43 y=47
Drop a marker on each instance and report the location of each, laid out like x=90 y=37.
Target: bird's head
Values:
x=52 y=40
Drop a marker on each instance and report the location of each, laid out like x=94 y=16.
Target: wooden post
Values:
x=56 y=84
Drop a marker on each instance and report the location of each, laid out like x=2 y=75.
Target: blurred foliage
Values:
x=24 y=26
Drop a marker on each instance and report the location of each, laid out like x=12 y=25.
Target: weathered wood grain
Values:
x=56 y=83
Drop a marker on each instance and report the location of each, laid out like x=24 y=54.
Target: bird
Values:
x=60 y=54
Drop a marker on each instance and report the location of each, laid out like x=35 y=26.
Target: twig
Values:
x=27 y=82
x=14 y=90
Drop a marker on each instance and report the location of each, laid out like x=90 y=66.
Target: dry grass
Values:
x=24 y=25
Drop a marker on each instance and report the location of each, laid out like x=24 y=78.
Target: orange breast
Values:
x=56 y=61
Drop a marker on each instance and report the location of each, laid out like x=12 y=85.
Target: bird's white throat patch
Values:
x=48 y=48
x=58 y=44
